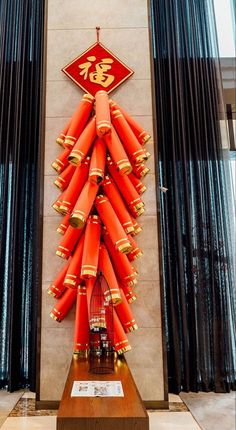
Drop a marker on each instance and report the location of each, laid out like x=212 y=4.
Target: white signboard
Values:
x=97 y=388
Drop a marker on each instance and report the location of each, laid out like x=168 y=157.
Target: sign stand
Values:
x=102 y=413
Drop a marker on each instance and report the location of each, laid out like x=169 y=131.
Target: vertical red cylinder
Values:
x=83 y=205
x=81 y=334
x=83 y=144
x=98 y=161
x=79 y=120
x=112 y=223
x=105 y=266
x=103 y=117
x=91 y=248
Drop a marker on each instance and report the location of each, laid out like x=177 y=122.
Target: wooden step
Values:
x=102 y=413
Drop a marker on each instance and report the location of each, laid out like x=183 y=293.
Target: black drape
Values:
x=21 y=73
x=196 y=210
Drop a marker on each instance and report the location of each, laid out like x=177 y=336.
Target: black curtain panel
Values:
x=196 y=211
x=21 y=72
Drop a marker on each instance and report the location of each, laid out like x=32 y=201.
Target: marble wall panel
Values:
x=71 y=29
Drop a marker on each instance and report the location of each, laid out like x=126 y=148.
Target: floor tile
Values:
x=174 y=398
x=172 y=421
x=8 y=401
x=28 y=395
x=26 y=408
x=2 y=419
x=30 y=423
x=213 y=411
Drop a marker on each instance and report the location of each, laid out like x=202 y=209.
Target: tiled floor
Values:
x=17 y=412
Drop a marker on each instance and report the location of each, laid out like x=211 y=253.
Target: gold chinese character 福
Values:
x=99 y=76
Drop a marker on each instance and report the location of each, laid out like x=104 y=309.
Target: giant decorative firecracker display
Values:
x=100 y=170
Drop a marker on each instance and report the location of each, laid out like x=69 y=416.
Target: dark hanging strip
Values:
x=21 y=84
x=196 y=211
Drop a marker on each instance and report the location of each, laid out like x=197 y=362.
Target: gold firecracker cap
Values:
x=56 y=166
x=60 y=141
x=129 y=229
x=132 y=299
x=133 y=327
x=61 y=254
x=77 y=220
x=54 y=317
x=125 y=248
x=123 y=350
x=50 y=292
x=58 y=184
x=88 y=97
x=75 y=158
x=145 y=138
x=124 y=168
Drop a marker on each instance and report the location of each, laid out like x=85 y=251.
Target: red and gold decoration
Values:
x=100 y=172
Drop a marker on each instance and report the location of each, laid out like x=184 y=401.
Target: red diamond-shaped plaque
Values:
x=97 y=69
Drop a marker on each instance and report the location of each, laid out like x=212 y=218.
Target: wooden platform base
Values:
x=100 y=413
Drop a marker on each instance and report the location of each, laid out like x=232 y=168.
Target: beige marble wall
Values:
x=71 y=29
